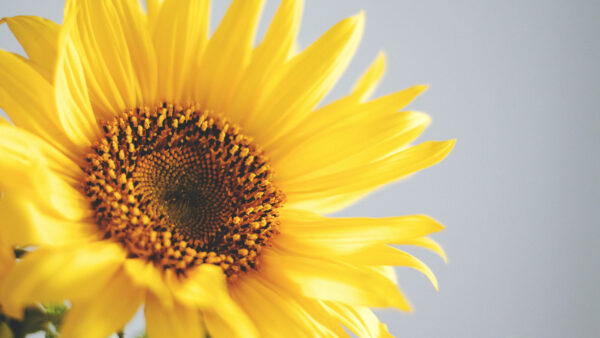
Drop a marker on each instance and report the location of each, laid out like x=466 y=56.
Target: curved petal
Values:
x=179 y=39
x=328 y=325
x=105 y=313
x=221 y=323
x=201 y=287
x=50 y=192
x=147 y=276
x=343 y=235
x=331 y=280
x=27 y=98
x=387 y=255
x=368 y=82
x=267 y=59
x=28 y=167
x=227 y=55
x=304 y=81
x=71 y=93
x=180 y=321
x=351 y=145
x=38 y=194
x=427 y=243
x=205 y=288
x=116 y=54
x=36 y=227
x=359 y=319
x=83 y=272
x=361 y=244
x=346 y=110
x=263 y=302
x=20 y=147
x=314 y=193
x=39 y=38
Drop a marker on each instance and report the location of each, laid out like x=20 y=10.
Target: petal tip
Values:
x=447 y=146
x=420 y=118
x=421 y=88
x=437 y=226
x=357 y=20
x=443 y=255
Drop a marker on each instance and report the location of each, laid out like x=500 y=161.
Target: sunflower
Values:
x=152 y=165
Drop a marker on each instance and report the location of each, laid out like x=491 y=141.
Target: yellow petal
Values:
x=309 y=194
x=360 y=320
x=225 y=323
x=330 y=280
x=72 y=98
x=53 y=195
x=106 y=312
x=40 y=203
x=27 y=98
x=7 y=259
x=387 y=255
x=116 y=54
x=145 y=275
x=227 y=54
x=83 y=271
x=39 y=38
x=365 y=119
x=383 y=331
x=267 y=59
x=351 y=145
x=350 y=249
x=327 y=326
x=205 y=287
x=52 y=213
x=201 y=287
x=368 y=82
x=180 y=321
x=19 y=147
x=305 y=81
x=153 y=8
x=348 y=234
x=427 y=243
x=27 y=167
x=133 y=25
x=263 y=302
x=179 y=39
x=36 y=226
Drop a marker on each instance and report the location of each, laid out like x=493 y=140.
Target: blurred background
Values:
x=516 y=82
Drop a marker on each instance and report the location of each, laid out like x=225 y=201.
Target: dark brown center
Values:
x=182 y=187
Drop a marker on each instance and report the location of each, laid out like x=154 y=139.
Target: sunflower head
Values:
x=182 y=187
x=150 y=164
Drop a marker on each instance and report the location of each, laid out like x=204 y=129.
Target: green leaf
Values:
x=55 y=313
x=36 y=318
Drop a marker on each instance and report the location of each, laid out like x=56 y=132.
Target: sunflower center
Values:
x=182 y=187
x=187 y=188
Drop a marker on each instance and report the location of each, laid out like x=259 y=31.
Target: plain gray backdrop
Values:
x=517 y=83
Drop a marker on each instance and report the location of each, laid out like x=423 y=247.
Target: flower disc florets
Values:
x=182 y=187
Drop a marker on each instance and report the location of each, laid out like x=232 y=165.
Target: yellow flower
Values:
x=152 y=165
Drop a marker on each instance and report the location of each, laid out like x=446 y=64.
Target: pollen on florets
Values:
x=182 y=187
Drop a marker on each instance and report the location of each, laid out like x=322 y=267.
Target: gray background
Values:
x=516 y=82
